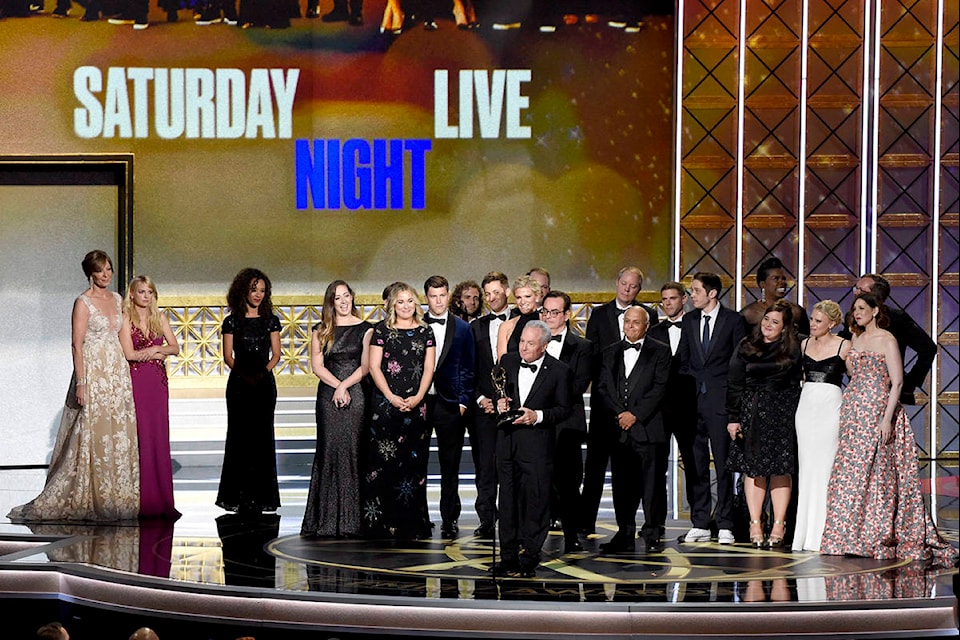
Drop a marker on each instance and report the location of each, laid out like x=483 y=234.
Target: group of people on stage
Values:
x=111 y=460
x=757 y=392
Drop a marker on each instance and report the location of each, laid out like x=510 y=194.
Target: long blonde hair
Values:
x=154 y=324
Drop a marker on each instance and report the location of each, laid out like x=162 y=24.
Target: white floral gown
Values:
x=94 y=473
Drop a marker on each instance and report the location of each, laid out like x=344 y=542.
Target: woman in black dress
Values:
x=402 y=354
x=763 y=389
x=338 y=356
x=251 y=348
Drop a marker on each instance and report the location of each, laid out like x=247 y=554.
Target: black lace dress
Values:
x=248 y=481
x=762 y=395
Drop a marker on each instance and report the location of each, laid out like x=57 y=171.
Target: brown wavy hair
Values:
x=328 y=318
x=240 y=287
x=873 y=301
x=753 y=345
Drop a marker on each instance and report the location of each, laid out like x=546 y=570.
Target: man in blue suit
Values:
x=449 y=395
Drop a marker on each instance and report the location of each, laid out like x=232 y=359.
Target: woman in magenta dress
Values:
x=147 y=340
x=875 y=507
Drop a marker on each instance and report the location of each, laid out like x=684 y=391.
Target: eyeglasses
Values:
x=552 y=313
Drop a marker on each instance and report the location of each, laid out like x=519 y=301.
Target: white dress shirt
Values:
x=525 y=380
x=554 y=347
x=630 y=357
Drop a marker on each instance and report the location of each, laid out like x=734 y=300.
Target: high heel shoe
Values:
x=756 y=539
x=777 y=541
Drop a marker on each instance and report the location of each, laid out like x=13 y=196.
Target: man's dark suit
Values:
x=453 y=383
x=603 y=330
x=525 y=460
x=579 y=355
x=639 y=462
x=483 y=428
x=709 y=371
x=679 y=410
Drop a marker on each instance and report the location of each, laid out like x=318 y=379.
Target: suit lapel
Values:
x=716 y=328
x=450 y=329
x=567 y=349
x=537 y=381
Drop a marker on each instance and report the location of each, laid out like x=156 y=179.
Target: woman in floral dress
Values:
x=402 y=354
x=875 y=507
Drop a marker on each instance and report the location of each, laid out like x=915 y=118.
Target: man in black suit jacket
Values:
x=633 y=383
x=907 y=332
x=604 y=328
x=449 y=396
x=680 y=402
x=541 y=388
x=483 y=428
x=578 y=354
x=709 y=338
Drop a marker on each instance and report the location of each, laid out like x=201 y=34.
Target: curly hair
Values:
x=240 y=288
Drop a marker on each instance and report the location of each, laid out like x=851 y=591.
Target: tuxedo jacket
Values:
x=710 y=369
x=551 y=392
x=603 y=327
x=579 y=355
x=454 y=377
x=680 y=401
x=642 y=392
x=484 y=357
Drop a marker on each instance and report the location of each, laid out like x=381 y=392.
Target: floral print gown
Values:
x=875 y=506
x=94 y=473
x=395 y=479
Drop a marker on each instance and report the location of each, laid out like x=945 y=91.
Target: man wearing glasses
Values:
x=579 y=355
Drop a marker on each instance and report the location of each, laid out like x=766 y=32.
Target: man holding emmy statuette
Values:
x=538 y=389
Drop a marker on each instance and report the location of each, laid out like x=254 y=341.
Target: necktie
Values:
x=557 y=337
x=706 y=333
x=628 y=345
x=527 y=365
x=499 y=316
x=432 y=320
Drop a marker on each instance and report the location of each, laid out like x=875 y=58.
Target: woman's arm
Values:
x=226 y=344
x=274 y=350
x=341 y=396
x=375 y=357
x=170 y=347
x=126 y=341
x=891 y=352
x=316 y=362
x=78 y=333
x=503 y=336
x=427 y=379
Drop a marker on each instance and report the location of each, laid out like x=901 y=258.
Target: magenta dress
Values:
x=151 y=397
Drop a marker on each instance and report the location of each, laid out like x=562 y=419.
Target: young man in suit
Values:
x=578 y=354
x=680 y=402
x=709 y=337
x=483 y=430
x=605 y=328
x=540 y=387
x=449 y=396
x=633 y=382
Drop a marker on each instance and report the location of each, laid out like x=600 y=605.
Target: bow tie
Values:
x=556 y=338
x=499 y=316
x=676 y=324
x=530 y=366
x=620 y=311
x=431 y=320
x=635 y=345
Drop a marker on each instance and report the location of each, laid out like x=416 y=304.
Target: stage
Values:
x=213 y=575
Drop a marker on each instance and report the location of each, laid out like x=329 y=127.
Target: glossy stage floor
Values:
x=213 y=575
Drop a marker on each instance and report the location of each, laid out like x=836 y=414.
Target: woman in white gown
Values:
x=94 y=473
x=818 y=420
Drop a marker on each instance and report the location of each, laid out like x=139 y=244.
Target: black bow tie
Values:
x=676 y=324
x=431 y=320
x=557 y=338
x=635 y=345
x=499 y=316
x=620 y=311
x=530 y=366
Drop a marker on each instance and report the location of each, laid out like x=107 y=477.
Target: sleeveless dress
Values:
x=818 y=421
x=94 y=474
x=875 y=507
x=333 y=501
x=762 y=395
x=248 y=481
x=395 y=478
x=151 y=396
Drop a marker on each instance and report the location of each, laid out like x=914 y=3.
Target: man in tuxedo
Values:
x=578 y=354
x=709 y=337
x=449 y=395
x=907 y=332
x=540 y=387
x=605 y=328
x=542 y=276
x=633 y=383
x=483 y=430
x=680 y=403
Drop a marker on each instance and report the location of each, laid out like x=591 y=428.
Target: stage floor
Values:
x=215 y=566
